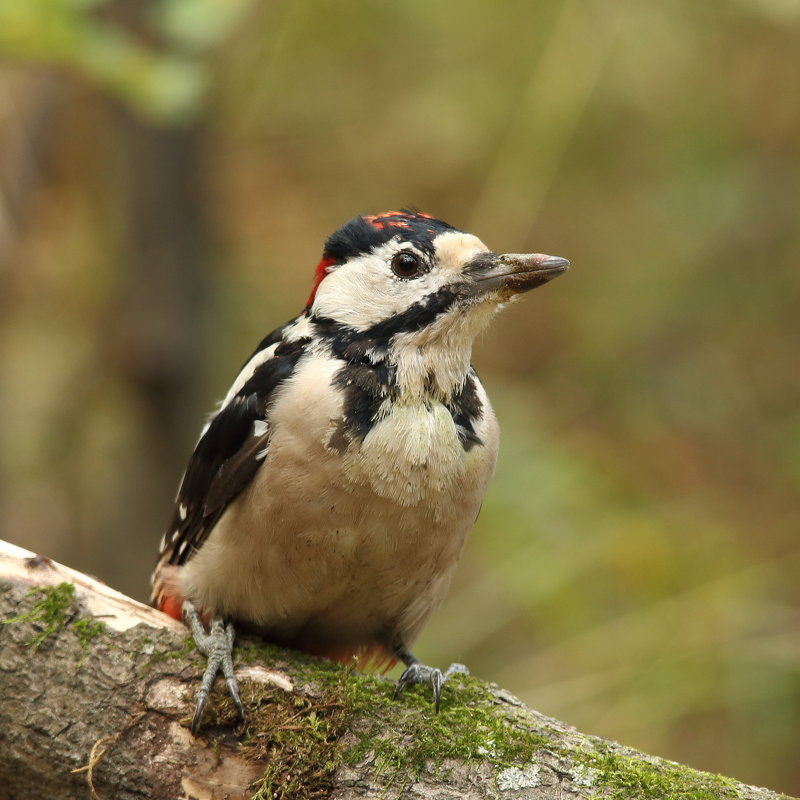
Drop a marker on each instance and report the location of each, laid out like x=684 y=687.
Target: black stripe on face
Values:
x=417 y=316
x=372 y=344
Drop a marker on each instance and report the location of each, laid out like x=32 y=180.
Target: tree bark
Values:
x=97 y=690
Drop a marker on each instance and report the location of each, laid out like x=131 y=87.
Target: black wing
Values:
x=230 y=451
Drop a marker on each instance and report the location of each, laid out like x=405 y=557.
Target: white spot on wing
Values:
x=247 y=372
x=182 y=510
x=301 y=327
x=259 y=427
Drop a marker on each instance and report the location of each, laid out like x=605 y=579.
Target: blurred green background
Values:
x=169 y=170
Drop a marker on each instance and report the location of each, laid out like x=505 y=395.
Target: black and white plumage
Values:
x=329 y=497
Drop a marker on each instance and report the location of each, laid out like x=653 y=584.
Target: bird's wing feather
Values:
x=231 y=450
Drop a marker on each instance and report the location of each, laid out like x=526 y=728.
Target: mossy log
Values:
x=97 y=690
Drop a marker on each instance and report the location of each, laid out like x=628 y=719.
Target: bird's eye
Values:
x=405 y=264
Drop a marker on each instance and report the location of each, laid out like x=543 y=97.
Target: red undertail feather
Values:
x=365 y=657
x=172 y=606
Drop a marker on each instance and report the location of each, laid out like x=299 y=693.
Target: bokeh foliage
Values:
x=163 y=74
x=634 y=569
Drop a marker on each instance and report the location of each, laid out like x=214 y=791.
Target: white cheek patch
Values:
x=364 y=291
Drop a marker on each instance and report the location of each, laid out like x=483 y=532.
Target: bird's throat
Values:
x=433 y=363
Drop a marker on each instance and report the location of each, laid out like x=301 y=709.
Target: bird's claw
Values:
x=433 y=676
x=217 y=645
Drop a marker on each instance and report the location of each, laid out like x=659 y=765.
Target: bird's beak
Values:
x=512 y=273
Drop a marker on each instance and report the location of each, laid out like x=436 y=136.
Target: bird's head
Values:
x=407 y=283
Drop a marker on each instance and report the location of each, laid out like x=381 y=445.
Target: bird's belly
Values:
x=353 y=548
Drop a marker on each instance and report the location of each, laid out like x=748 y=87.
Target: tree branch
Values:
x=97 y=690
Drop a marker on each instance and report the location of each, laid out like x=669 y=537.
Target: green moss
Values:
x=186 y=650
x=296 y=736
x=51 y=611
x=622 y=777
x=87 y=630
x=54 y=611
x=470 y=726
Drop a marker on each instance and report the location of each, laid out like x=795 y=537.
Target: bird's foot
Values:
x=216 y=645
x=417 y=672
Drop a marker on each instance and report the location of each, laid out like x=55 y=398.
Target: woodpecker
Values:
x=329 y=497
